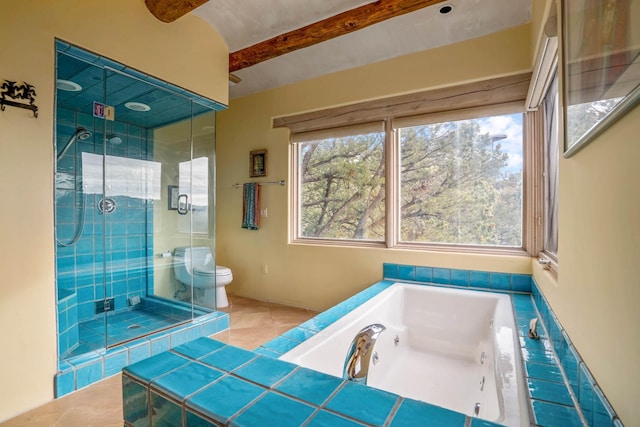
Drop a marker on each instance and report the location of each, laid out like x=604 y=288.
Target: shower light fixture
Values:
x=68 y=85
x=137 y=106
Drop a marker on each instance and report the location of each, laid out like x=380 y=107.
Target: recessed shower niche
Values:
x=126 y=143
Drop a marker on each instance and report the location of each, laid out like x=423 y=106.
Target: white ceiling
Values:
x=247 y=22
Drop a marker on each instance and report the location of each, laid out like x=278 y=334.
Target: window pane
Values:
x=461 y=182
x=551 y=154
x=342 y=188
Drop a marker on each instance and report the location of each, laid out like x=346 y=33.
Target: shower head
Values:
x=81 y=134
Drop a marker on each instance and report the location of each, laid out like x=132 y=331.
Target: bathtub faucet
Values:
x=356 y=364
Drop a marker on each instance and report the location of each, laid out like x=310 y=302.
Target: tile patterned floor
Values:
x=100 y=405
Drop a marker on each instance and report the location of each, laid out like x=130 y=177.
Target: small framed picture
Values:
x=257 y=163
x=172 y=197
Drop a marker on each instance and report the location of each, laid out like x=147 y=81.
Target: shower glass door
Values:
x=148 y=206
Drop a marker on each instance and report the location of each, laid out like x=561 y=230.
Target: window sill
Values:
x=418 y=247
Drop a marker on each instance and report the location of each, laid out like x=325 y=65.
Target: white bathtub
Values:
x=442 y=336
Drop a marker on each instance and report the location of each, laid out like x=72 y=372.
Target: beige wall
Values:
x=314 y=276
x=596 y=295
x=188 y=53
x=598 y=288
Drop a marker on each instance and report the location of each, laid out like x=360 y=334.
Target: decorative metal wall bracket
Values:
x=24 y=91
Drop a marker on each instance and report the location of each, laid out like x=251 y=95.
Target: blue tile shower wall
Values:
x=126 y=233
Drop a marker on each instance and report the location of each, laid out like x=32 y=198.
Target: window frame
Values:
x=471 y=99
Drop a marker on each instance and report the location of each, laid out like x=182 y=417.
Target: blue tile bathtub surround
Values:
x=558 y=382
x=257 y=386
x=460 y=278
x=79 y=371
x=169 y=389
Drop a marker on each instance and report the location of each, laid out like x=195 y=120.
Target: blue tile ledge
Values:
x=560 y=387
x=182 y=386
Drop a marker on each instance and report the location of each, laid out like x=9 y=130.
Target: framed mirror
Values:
x=600 y=42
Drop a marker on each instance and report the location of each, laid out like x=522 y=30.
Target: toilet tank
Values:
x=186 y=258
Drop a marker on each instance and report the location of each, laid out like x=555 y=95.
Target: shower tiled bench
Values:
x=207 y=383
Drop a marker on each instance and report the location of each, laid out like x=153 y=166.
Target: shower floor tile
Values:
x=120 y=327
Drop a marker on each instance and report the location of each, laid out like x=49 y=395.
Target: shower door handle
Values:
x=183 y=204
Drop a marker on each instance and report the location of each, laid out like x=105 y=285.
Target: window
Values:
x=461 y=182
x=442 y=168
x=341 y=182
x=551 y=156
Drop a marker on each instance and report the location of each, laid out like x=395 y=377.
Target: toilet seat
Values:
x=207 y=270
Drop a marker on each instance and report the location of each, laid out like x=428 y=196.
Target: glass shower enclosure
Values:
x=134 y=180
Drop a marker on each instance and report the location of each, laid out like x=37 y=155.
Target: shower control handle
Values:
x=183 y=204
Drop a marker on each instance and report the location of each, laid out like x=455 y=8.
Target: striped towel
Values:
x=251 y=206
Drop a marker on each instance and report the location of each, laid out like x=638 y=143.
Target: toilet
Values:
x=195 y=265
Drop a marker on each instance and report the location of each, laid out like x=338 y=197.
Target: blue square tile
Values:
x=114 y=361
x=228 y=358
x=412 y=412
x=586 y=394
x=544 y=372
x=210 y=327
x=550 y=392
x=139 y=351
x=135 y=402
x=281 y=344
x=194 y=420
x=88 y=373
x=363 y=403
x=603 y=413
x=237 y=394
x=160 y=344
x=297 y=385
x=266 y=352
x=194 y=332
x=442 y=276
x=165 y=413
x=186 y=380
x=390 y=271
x=407 y=272
x=178 y=338
x=223 y=323
x=198 y=348
x=500 y=281
x=65 y=382
x=424 y=274
x=155 y=366
x=460 y=277
x=298 y=334
x=265 y=370
x=550 y=414
x=521 y=282
x=274 y=409
x=327 y=419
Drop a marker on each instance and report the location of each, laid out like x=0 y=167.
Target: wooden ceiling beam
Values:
x=170 y=10
x=338 y=25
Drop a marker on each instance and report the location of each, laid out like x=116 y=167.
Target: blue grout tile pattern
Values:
x=259 y=390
